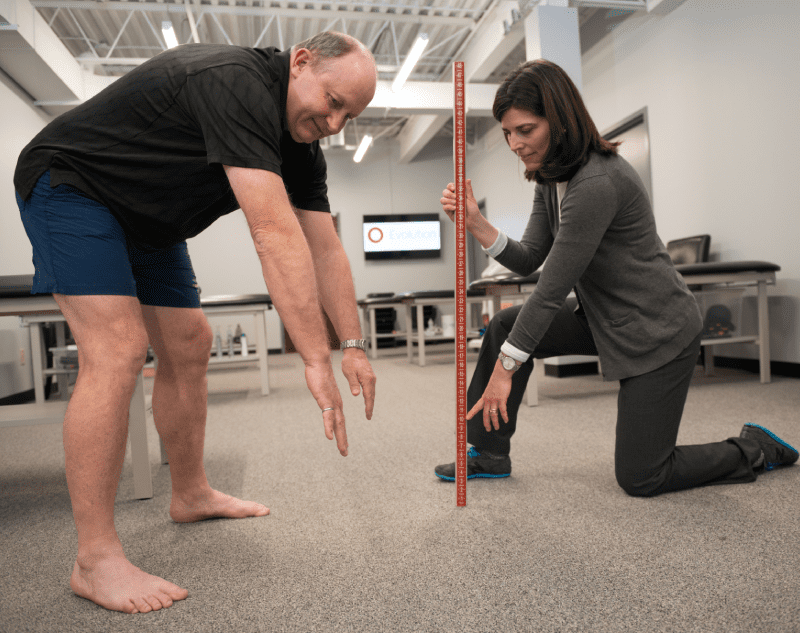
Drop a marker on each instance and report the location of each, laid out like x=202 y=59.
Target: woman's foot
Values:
x=774 y=451
x=484 y=465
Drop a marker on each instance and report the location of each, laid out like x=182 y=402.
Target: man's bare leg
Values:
x=181 y=338
x=112 y=344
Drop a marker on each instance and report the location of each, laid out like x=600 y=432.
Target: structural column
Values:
x=552 y=33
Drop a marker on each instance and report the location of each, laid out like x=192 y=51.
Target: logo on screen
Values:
x=402 y=236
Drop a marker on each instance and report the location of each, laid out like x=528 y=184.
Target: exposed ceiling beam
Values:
x=416 y=98
x=33 y=56
x=342 y=11
x=491 y=44
x=425 y=97
x=633 y=5
x=487 y=46
x=662 y=7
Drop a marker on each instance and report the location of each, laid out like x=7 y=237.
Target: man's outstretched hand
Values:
x=322 y=384
x=360 y=376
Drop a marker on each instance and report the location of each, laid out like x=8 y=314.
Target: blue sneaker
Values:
x=775 y=452
x=483 y=465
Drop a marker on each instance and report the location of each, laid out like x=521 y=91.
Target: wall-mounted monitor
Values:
x=405 y=236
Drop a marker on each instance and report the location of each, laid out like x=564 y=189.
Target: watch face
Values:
x=508 y=363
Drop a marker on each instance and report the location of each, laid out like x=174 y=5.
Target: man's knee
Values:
x=202 y=343
x=192 y=347
x=119 y=351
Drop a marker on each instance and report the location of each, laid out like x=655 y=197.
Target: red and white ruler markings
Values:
x=459 y=152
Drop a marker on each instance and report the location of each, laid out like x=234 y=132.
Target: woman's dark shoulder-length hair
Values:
x=544 y=89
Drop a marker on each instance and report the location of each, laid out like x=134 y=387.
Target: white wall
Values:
x=721 y=82
x=20 y=122
x=379 y=185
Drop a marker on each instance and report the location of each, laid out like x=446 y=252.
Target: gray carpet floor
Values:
x=374 y=542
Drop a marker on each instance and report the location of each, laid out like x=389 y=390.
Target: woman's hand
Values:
x=476 y=224
x=449 y=204
x=493 y=401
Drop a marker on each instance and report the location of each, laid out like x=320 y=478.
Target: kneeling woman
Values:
x=593 y=227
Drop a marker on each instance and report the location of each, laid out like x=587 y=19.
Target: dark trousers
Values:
x=649 y=410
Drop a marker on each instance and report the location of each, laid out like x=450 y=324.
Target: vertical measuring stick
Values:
x=459 y=151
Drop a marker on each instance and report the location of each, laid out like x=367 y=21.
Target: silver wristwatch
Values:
x=508 y=363
x=360 y=343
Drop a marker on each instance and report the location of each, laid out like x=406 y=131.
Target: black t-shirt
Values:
x=151 y=146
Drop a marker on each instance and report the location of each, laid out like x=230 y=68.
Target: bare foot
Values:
x=213 y=504
x=116 y=584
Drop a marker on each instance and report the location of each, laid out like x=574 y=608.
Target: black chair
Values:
x=689 y=250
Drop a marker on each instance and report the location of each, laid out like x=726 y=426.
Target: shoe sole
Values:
x=475 y=476
x=770 y=466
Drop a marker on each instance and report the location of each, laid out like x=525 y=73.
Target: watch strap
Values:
x=503 y=356
x=359 y=343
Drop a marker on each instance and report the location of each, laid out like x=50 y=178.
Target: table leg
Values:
x=763 y=332
x=421 y=334
x=137 y=436
x=37 y=353
x=707 y=351
x=708 y=359
x=260 y=324
x=373 y=334
x=409 y=334
x=532 y=390
x=63 y=379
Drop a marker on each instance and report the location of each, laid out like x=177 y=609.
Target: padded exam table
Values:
x=419 y=300
x=410 y=301
x=706 y=276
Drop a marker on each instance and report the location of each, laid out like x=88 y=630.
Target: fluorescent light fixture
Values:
x=169 y=34
x=362 y=149
x=411 y=60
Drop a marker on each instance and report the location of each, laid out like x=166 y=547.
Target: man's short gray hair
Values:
x=329 y=45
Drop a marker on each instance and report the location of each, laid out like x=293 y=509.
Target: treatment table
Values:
x=369 y=306
x=705 y=277
x=701 y=277
x=418 y=300
x=36 y=310
x=411 y=301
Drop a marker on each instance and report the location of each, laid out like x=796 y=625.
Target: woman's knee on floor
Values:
x=640 y=480
x=640 y=476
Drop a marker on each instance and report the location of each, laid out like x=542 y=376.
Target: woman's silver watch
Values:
x=508 y=363
x=360 y=343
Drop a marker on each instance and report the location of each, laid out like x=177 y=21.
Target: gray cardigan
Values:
x=605 y=246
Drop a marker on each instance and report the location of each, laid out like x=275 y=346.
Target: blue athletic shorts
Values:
x=79 y=248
